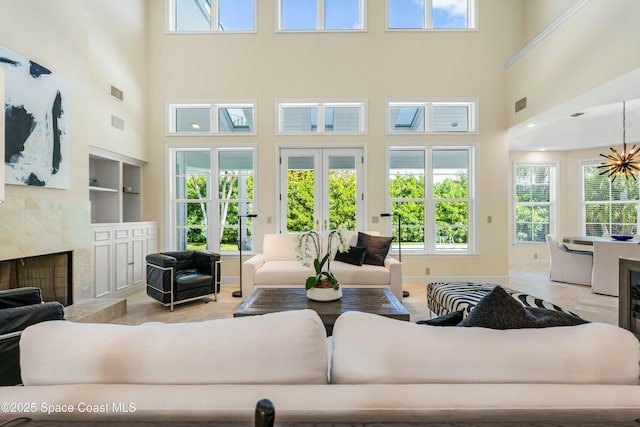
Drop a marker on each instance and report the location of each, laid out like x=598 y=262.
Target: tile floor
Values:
x=579 y=299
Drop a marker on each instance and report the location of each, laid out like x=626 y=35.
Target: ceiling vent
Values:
x=521 y=104
x=117 y=93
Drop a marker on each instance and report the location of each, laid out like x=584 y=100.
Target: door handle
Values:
x=317 y=225
x=325 y=225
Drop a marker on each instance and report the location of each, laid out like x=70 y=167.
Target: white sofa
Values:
x=372 y=370
x=277 y=266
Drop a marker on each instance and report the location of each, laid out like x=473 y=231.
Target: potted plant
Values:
x=323 y=285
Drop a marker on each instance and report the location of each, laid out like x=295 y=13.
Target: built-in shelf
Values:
x=114 y=187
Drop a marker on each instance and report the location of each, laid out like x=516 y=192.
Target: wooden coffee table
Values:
x=377 y=301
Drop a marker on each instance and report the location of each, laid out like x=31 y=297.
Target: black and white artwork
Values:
x=37 y=150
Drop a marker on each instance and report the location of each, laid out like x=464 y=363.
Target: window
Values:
x=429 y=14
x=206 y=119
x=211 y=15
x=210 y=187
x=608 y=207
x=534 y=202
x=431 y=193
x=299 y=118
x=431 y=117
x=321 y=15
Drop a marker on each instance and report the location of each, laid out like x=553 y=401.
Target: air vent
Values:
x=117 y=122
x=577 y=114
x=521 y=104
x=117 y=93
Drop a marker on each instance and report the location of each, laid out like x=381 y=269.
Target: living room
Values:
x=556 y=54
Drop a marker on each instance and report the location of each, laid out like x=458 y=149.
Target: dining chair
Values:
x=569 y=266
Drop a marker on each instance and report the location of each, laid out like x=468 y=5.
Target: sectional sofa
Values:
x=372 y=370
x=277 y=266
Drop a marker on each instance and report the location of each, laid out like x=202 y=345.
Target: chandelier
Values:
x=621 y=164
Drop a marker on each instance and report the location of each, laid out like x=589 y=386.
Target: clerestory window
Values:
x=321 y=15
x=211 y=118
x=309 y=117
x=211 y=15
x=431 y=117
x=430 y=14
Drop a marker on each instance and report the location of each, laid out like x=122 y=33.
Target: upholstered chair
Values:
x=569 y=266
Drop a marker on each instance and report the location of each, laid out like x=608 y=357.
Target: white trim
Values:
x=546 y=32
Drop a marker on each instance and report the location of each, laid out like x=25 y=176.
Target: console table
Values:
x=379 y=301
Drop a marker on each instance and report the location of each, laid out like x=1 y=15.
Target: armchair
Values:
x=181 y=276
x=19 y=308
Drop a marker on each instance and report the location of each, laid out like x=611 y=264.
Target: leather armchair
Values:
x=19 y=308
x=181 y=276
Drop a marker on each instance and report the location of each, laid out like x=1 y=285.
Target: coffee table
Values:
x=376 y=300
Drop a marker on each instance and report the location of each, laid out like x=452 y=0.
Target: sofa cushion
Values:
x=279 y=247
x=373 y=349
x=377 y=248
x=349 y=274
x=282 y=273
x=355 y=255
x=280 y=348
x=498 y=310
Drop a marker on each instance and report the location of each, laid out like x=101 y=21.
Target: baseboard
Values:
x=498 y=280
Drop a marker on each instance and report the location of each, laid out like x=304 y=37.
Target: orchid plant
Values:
x=309 y=251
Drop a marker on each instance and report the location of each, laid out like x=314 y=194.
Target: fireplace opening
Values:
x=52 y=273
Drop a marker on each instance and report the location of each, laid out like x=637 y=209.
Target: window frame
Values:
x=215 y=107
x=214 y=18
x=427 y=105
x=610 y=202
x=213 y=199
x=472 y=24
x=321 y=122
x=553 y=202
x=429 y=221
x=320 y=20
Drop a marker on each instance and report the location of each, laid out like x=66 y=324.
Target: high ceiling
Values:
x=599 y=125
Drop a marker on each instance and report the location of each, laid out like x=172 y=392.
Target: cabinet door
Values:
x=123 y=258
x=103 y=261
x=138 y=243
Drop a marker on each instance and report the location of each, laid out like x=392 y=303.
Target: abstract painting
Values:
x=37 y=150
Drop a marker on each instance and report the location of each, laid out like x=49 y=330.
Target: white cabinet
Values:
x=119 y=255
x=114 y=187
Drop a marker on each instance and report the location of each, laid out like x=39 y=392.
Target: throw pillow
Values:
x=377 y=248
x=498 y=310
x=355 y=255
x=449 y=319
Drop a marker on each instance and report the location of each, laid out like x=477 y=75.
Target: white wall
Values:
x=373 y=66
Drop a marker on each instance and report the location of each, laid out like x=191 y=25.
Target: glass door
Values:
x=321 y=189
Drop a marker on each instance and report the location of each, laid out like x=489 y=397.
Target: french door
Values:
x=321 y=189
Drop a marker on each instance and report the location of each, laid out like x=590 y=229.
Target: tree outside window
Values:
x=534 y=199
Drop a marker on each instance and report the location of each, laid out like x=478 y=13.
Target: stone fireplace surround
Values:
x=35 y=226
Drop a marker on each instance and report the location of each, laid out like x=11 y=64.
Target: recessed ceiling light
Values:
x=531 y=125
x=543 y=149
x=195 y=125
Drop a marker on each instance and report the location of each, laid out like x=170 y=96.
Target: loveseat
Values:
x=372 y=370
x=277 y=266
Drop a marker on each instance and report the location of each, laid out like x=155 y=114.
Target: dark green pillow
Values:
x=377 y=248
x=498 y=310
x=354 y=256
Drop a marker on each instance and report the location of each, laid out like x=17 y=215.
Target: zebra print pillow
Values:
x=447 y=297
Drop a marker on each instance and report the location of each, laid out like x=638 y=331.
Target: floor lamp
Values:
x=238 y=293
x=388 y=215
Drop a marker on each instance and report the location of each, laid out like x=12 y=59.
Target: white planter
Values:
x=324 y=294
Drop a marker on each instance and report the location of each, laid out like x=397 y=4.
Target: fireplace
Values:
x=52 y=273
x=629 y=300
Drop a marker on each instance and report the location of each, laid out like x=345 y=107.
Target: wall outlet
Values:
x=427 y=271
x=535 y=256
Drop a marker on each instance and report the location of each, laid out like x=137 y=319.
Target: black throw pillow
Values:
x=498 y=310
x=354 y=256
x=449 y=319
x=377 y=248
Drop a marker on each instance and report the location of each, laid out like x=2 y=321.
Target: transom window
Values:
x=430 y=14
x=608 y=207
x=431 y=117
x=211 y=15
x=301 y=118
x=321 y=15
x=534 y=202
x=205 y=119
x=431 y=191
x=210 y=187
